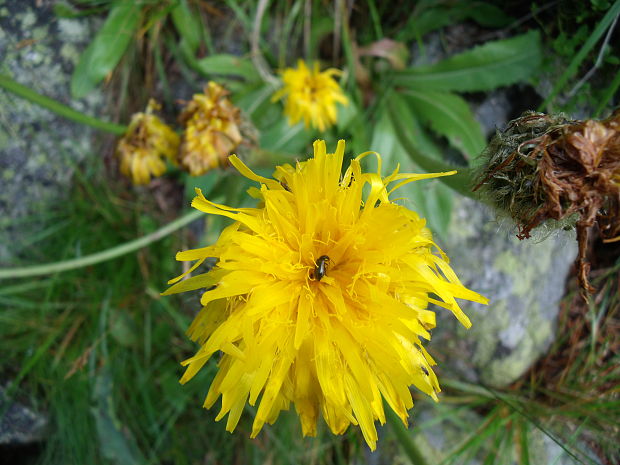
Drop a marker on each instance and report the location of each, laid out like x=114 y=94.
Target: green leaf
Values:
x=188 y=26
x=384 y=141
x=346 y=114
x=432 y=15
x=488 y=15
x=205 y=183
x=254 y=100
x=115 y=441
x=227 y=64
x=524 y=452
x=400 y=108
x=412 y=138
x=450 y=116
x=281 y=137
x=485 y=67
x=105 y=51
x=438 y=201
x=430 y=199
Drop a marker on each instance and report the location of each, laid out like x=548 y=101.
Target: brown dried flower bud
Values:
x=212 y=130
x=546 y=169
x=146 y=146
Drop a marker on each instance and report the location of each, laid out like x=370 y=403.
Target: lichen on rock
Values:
x=524 y=282
x=37 y=147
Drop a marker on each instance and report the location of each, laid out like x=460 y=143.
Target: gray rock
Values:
x=38 y=148
x=524 y=281
x=437 y=435
x=20 y=425
x=442 y=431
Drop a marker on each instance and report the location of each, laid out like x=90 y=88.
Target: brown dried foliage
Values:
x=569 y=168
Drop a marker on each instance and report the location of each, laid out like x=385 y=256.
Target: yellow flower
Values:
x=211 y=130
x=311 y=96
x=146 y=145
x=319 y=297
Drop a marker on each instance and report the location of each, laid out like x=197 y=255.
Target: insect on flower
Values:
x=335 y=349
x=321 y=267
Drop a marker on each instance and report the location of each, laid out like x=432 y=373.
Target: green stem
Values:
x=109 y=254
x=60 y=109
x=404 y=438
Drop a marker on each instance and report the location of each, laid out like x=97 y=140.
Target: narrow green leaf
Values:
x=486 y=67
x=227 y=64
x=205 y=183
x=384 y=140
x=188 y=27
x=449 y=115
x=524 y=452
x=438 y=205
x=400 y=108
x=403 y=435
x=609 y=92
x=116 y=442
x=598 y=32
x=460 y=182
x=255 y=100
x=60 y=109
x=430 y=199
x=107 y=48
x=346 y=114
x=284 y=138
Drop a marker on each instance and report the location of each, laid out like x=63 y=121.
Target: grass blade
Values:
x=581 y=55
x=57 y=107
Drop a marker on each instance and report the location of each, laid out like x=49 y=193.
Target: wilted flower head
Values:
x=311 y=95
x=546 y=169
x=211 y=130
x=319 y=297
x=146 y=145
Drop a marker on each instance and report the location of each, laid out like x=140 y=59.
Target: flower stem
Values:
x=109 y=254
x=60 y=109
x=404 y=438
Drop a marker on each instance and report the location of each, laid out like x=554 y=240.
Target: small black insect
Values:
x=424 y=370
x=351 y=179
x=321 y=267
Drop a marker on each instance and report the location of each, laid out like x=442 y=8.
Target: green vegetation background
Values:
x=98 y=350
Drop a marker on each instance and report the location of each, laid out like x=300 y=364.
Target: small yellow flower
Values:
x=319 y=297
x=211 y=130
x=146 y=145
x=311 y=96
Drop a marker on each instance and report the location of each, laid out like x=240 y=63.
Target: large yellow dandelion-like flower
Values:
x=311 y=95
x=146 y=145
x=211 y=130
x=319 y=297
